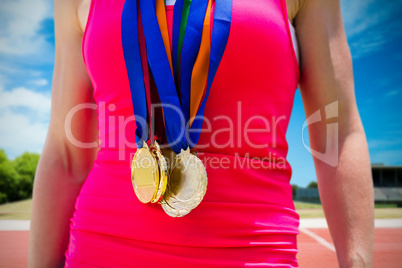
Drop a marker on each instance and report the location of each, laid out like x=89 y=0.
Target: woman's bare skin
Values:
x=326 y=76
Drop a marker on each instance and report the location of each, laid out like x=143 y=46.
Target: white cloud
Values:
x=11 y=75
x=370 y=24
x=7 y=68
x=24 y=98
x=21 y=20
x=39 y=82
x=19 y=134
x=24 y=116
x=392 y=93
x=384 y=143
x=2 y=81
x=24 y=113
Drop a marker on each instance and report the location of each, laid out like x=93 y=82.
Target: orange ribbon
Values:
x=161 y=15
x=199 y=75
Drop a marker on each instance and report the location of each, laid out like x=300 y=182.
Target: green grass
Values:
x=388 y=213
x=381 y=211
x=311 y=213
x=305 y=205
x=21 y=210
x=385 y=205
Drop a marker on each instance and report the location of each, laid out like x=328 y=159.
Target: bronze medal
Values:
x=187 y=185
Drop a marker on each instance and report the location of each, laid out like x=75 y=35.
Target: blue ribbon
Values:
x=220 y=36
x=177 y=13
x=132 y=57
x=159 y=65
x=176 y=110
x=192 y=40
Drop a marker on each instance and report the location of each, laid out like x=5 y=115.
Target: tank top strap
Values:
x=291 y=31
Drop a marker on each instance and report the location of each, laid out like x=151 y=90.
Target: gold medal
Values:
x=163 y=172
x=170 y=156
x=144 y=53
x=145 y=174
x=187 y=185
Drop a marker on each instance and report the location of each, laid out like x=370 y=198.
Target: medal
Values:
x=145 y=174
x=149 y=173
x=148 y=168
x=163 y=172
x=187 y=185
x=183 y=77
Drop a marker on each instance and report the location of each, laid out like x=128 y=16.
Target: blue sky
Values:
x=374 y=37
x=372 y=28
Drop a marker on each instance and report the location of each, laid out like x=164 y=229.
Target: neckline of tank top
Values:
x=171 y=3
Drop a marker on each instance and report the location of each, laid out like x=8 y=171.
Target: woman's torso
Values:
x=248 y=203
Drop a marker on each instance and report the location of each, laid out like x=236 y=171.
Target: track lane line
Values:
x=318 y=238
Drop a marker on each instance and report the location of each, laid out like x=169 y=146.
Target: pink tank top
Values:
x=169 y=18
x=247 y=217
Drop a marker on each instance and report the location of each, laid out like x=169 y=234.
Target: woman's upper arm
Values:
x=71 y=86
x=326 y=68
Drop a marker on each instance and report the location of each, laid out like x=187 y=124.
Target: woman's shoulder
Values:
x=293 y=7
x=72 y=13
x=83 y=7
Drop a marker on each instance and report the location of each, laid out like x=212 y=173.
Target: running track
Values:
x=315 y=246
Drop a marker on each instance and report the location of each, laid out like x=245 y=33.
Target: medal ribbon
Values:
x=191 y=54
x=183 y=26
x=144 y=61
x=160 y=70
x=192 y=39
x=200 y=71
x=177 y=15
x=161 y=15
x=220 y=35
x=129 y=35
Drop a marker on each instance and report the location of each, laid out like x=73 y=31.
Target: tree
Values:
x=25 y=165
x=16 y=177
x=294 y=188
x=312 y=184
x=8 y=182
x=3 y=156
